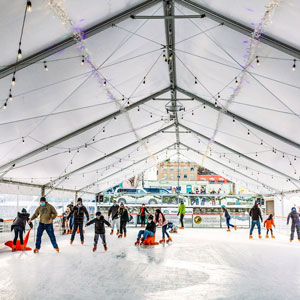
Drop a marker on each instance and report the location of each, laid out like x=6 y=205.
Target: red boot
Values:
x=105 y=248
x=120 y=236
x=118 y=232
x=124 y=235
x=95 y=248
x=112 y=232
x=36 y=250
x=162 y=241
x=13 y=248
x=169 y=239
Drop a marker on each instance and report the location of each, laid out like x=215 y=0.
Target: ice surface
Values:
x=200 y=264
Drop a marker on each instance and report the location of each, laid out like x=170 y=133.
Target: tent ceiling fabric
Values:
x=232 y=104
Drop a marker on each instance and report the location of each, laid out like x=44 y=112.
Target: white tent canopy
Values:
x=98 y=114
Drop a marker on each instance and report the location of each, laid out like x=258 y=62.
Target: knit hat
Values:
x=223 y=206
x=150 y=217
x=98 y=213
x=24 y=210
x=293 y=208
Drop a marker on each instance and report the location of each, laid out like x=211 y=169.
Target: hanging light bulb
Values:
x=5 y=105
x=294 y=65
x=144 y=80
x=283 y=156
x=103 y=129
x=233 y=119
x=85 y=146
x=19 y=53
x=123 y=98
x=248 y=132
x=10 y=98
x=192 y=112
x=69 y=150
x=161 y=118
x=261 y=142
x=82 y=60
x=104 y=82
x=182 y=117
x=219 y=97
x=45 y=66
x=13 y=81
x=216 y=103
x=236 y=80
x=23 y=140
x=204 y=106
x=164 y=55
x=138 y=108
x=29 y=6
x=47 y=148
x=115 y=118
x=295 y=158
x=196 y=81
x=257 y=60
x=151 y=115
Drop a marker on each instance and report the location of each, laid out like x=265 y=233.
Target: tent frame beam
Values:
x=239 y=118
x=68 y=42
x=274 y=43
x=83 y=129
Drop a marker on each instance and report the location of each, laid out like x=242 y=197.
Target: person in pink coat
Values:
x=161 y=220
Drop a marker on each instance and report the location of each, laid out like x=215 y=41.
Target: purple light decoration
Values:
x=245 y=42
x=250 y=9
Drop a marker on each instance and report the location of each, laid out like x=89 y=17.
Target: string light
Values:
x=103 y=129
x=123 y=98
x=85 y=146
x=45 y=66
x=5 y=105
x=233 y=119
x=138 y=108
x=29 y=6
x=23 y=140
x=150 y=115
x=164 y=55
x=294 y=65
x=144 y=80
x=47 y=148
x=257 y=60
x=104 y=82
x=196 y=81
x=261 y=142
x=192 y=112
x=216 y=103
x=236 y=80
x=13 y=81
x=19 y=53
x=115 y=118
x=93 y=139
x=82 y=60
x=248 y=132
x=204 y=106
x=10 y=98
x=69 y=150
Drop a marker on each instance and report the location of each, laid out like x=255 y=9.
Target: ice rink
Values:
x=200 y=264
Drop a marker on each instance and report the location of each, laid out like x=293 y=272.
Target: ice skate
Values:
x=22 y=248
x=105 y=248
x=169 y=240
x=95 y=248
x=250 y=236
x=259 y=236
x=112 y=232
x=291 y=240
x=36 y=250
x=71 y=242
x=235 y=228
x=57 y=249
x=82 y=242
x=273 y=237
x=181 y=227
x=118 y=232
x=267 y=236
x=142 y=242
x=137 y=243
x=162 y=241
x=13 y=248
x=228 y=229
x=120 y=236
x=124 y=235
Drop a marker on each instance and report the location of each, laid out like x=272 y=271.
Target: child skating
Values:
x=149 y=231
x=227 y=217
x=99 y=222
x=269 y=223
x=295 y=223
x=124 y=218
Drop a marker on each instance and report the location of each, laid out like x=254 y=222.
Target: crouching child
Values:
x=149 y=231
x=99 y=222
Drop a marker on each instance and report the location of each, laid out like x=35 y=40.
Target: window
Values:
x=192 y=176
x=172 y=176
x=192 y=169
x=172 y=169
x=185 y=169
x=165 y=176
x=140 y=192
x=165 y=168
x=185 y=176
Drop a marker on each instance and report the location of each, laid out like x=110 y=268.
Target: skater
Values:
x=161 y=220
x=99 y=222
x=71 y=220
x=113 y=213
x=65 y=222
x=47 y=214
x=149 y=231
x=295 y=223
x=124 y=218
x=269 y=223
x=181 y=212
x=142 y=213
x=18 y=226
x=227 y=217
x=256 y=216
x=78 y=213
x=172 y=227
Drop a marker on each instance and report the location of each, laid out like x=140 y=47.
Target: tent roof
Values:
x=86 y=127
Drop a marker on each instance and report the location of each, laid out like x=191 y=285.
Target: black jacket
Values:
x=151 y=227
x=78 y=213
x=114 y=212
x=124 y=215
x=255 y=213
x=21 y=220
x=99 y=224
x=144 y=212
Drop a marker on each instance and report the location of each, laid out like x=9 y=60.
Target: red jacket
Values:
x=269 y=223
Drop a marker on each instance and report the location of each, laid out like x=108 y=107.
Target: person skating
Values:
x=295 y=223
x=124 y=218
x=47 y=214
x=181 y=212
x=99 y=222
x=113 y=213
x=256 y=216
x=227 y=217
x=65 y=222
x=149 y=231
x=269 y=223
x=71 y=220
x=161 y=220
x=142 y=213
x=78 y=213
x=18 y=226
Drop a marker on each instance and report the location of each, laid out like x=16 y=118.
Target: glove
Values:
x=178 y=214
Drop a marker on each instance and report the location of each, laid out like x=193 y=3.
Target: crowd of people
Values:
x=74 y=216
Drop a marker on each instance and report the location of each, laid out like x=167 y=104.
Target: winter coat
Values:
x=295 y=218
x=99 y=224
x=46 y=213
x=269 y=223
x=160 y=221
x=151 y=227
x=143 y=211
x=181 y=209
x=255 y=213
x=226 y=214
x=21 y=221
x=70 y=206
x=114 y=212
x=78 y=213
x=124 y=217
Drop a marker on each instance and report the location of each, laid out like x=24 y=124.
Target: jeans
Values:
x=143 y=218
x=164 y=231
x=123 y=227
x=145 y=234
x=228 y=223
x=96 y=238
x=295 y=226
x=257 y=223
x=49 y=229
x=115 y=223
x=270 y=230
x=71 y=223
x=18 y=231
x=80 y=226
x=181 y=220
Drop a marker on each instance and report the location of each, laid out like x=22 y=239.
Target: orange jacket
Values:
x=269 y=223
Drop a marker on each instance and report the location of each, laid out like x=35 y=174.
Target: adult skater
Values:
x=47 y=214
x=124 y=218
x=18 y=226
x=142 y=213
x=269 y=223
x=161 y=220
x=71 y=220
x=227 y=217
x=113 y=213
x=149 y=231
x=78 y=213
x=99 y=222
x=256 y=216
x=181 y=212
x=295 y=223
